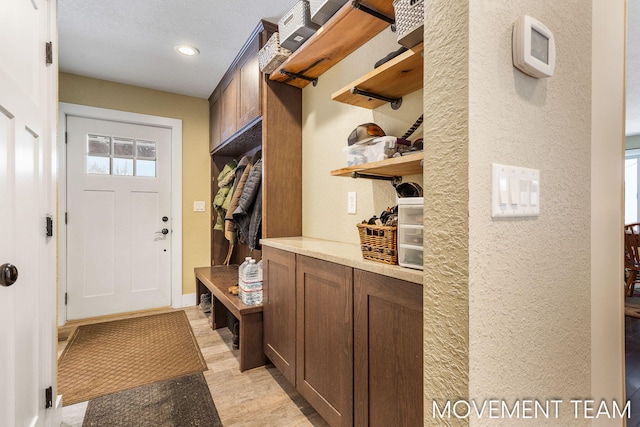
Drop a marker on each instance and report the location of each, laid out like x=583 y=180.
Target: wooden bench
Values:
x=217 y=280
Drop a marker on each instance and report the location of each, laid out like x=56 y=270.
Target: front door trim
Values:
x=67 y=109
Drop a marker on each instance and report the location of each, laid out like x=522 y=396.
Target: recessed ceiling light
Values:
x=187 y=50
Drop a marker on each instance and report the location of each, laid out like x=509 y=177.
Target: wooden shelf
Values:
x=345 y=32
x=396 y=166
x=243 y=141
x=398 y=77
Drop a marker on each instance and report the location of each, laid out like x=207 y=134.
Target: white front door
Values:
x=27 y=283
x=119 y=217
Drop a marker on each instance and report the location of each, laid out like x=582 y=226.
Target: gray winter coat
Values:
x=248 y=214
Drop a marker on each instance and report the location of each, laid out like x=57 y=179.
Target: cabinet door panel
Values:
x=229 y=106
x=279 y=293
x=324 y=354
x=215 y=122
x=388 y=351
x=249 y=75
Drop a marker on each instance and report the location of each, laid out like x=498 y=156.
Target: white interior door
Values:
x=118 y=206
x=26 y=290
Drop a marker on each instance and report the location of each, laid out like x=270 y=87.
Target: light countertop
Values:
x=341 y=253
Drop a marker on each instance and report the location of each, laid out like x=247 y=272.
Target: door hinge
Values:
x=49 y=226
x=48 y=397
x=66 y=137
x=66 y=218
x=66 y=298
x=48 y=56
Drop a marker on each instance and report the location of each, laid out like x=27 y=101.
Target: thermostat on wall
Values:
x=534 y=47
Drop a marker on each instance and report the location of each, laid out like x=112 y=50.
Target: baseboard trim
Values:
x=188 y=300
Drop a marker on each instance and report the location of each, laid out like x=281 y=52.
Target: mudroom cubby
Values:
x=251 y=114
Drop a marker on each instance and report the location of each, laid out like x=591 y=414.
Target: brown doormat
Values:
x=108 y=357
x=184 y=402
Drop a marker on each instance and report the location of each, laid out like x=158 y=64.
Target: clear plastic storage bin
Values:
x=410 y=232
x=356 y=154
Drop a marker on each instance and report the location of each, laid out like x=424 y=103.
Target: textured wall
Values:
x=326 y=126
x=529 y=279
x=446 y=274
x=517 y=289
x=194 y=113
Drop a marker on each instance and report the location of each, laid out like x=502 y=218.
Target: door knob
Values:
x=8 y=274
x=163 y=231
x=165 y=218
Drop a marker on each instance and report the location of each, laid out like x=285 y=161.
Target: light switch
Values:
x=524 y=191
x=515 y=191
x=533 y=194
x=198 y=206
x=504 y=188
x=514 y=188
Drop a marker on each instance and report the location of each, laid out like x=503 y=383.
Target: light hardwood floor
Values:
x=257 y=397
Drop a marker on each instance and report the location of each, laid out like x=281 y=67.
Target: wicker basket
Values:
x=272 y=54
x=409 y=21
x=378 y=243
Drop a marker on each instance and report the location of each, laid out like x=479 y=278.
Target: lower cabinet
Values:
x=349 y=340
x=279 y=309
x=324 y=347
x=387 y=350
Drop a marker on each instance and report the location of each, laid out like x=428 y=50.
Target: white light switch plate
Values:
x=198 y=206
x=515 y=191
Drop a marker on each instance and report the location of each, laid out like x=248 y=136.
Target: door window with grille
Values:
x=107 y=155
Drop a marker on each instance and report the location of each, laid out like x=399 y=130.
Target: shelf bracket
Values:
x=356 y=5
x=314 y=81
x=395 y=180
x=395 y=102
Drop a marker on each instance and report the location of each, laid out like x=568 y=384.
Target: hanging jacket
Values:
x=241 y=175
x=248 y=214
x=225 y=183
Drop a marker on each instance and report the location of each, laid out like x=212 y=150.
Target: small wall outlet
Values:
x=351 y=202
x=198 y=206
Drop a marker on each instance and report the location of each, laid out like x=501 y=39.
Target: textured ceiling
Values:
x=133 y=42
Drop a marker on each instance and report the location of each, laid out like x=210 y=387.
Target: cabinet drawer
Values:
x=410 y=256
x=410 y=215
x=410 y=235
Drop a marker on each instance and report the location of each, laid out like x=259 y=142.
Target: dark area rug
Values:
x=178 y=402
x=632 y=305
